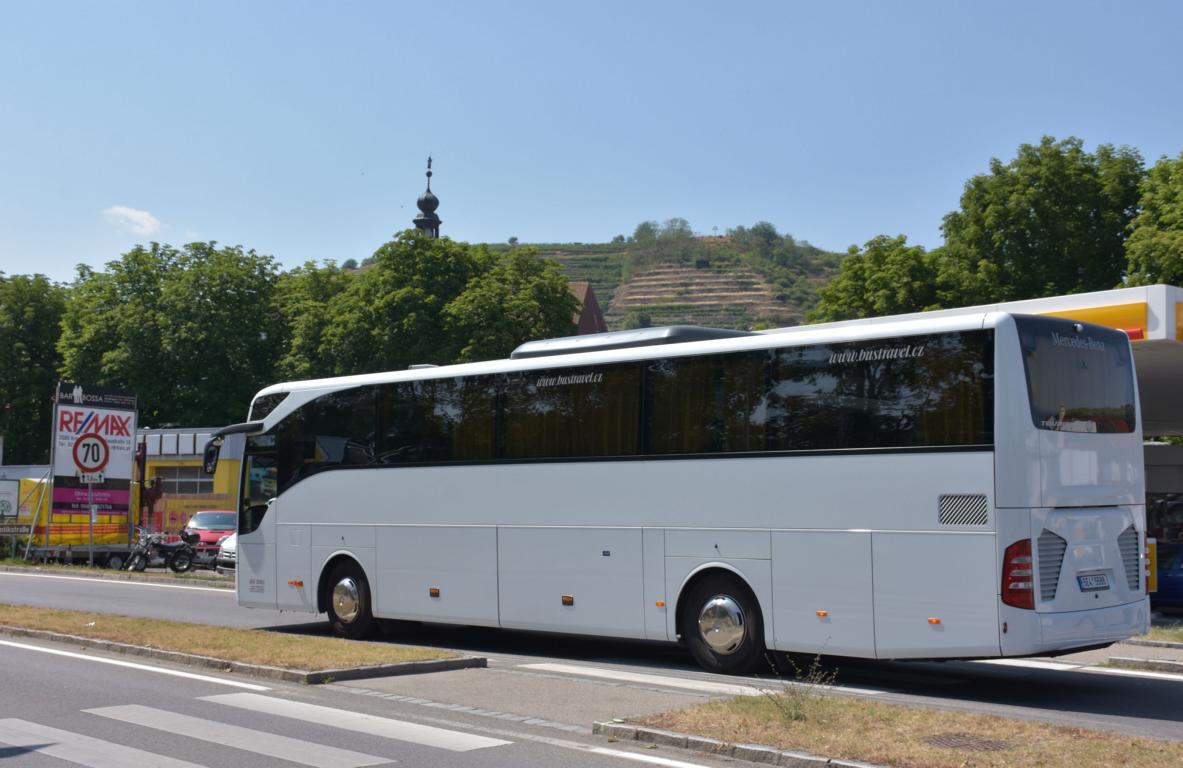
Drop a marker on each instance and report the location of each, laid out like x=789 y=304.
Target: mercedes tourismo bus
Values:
x=956 y=487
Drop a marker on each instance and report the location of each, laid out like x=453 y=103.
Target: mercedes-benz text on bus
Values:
x=957 y=487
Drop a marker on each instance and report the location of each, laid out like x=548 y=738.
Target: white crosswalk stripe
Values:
x=250 y=740
x=83 y=750
x=427 y=735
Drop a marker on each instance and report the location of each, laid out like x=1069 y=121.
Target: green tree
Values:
x=30 y=322
x=516 y=298
x=223 y=335
x=391 y=315
x=1052 y=221
x=304 y=297
x=1155 y=247
x=886 y=277
x=646 y=232
x=194 y=332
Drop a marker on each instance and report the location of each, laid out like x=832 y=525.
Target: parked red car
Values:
x=211 y=525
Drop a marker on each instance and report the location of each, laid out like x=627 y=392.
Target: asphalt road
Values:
x=63 y=706
x=565 y=683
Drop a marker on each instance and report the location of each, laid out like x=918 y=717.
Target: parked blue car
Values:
x=1170 y=576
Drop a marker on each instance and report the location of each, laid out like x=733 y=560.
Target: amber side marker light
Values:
x=568 y=600
x=295 y=583
x=660 y=603
x=822 y=614
x=933 y=620
x=433 y=591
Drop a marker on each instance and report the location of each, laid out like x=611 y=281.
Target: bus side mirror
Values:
x=210 y=458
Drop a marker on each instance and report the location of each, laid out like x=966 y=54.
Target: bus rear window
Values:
x=1079 y=377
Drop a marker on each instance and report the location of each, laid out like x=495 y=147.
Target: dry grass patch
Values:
x=250 y=646
x=907 y=737
x=1166 y=634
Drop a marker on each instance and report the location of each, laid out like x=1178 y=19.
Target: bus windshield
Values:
x=1079 y=377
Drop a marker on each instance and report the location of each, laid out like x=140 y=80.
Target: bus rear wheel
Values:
x=349 y=609
x=722 y=627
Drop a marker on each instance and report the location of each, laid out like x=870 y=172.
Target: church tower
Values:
x=428 y=202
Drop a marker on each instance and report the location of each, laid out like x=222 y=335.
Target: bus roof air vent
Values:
x=641 y=337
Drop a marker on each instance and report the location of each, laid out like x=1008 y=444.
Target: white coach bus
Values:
x=958 y=487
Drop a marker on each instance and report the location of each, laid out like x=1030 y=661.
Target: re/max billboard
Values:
x=93 y=449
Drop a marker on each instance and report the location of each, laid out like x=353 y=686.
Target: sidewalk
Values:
x=1140 y=654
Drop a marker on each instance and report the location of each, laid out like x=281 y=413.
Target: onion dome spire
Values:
x=428 y=202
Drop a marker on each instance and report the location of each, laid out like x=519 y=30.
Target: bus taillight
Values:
x=1018 y=585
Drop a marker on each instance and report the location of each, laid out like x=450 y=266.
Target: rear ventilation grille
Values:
x=963 y=509
x=1051 y=558
x=1128 y=542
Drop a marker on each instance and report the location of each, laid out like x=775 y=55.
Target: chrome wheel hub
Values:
x=721 y=624
x=346 y=600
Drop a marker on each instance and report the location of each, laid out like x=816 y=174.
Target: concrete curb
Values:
x=1148 y=665
x=1153 y=643
x=212 y=583
x=256 y=670
x=753 y=753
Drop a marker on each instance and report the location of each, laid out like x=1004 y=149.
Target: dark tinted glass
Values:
x=1078 y=381
x=705 y=404
x=572 y=412
x=264 y=405
x=925 y=391
x=934 y=390
x=437 y=420
x=333 y=430
x=260 y=481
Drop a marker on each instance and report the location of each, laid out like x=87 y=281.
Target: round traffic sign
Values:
x=91 y=453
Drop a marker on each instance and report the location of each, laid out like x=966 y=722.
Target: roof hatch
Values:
x=640 y=337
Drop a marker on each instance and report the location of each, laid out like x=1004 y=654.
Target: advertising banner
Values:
x=94 y=447
x=10 y=499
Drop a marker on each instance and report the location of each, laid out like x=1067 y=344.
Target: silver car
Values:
x=227 y=558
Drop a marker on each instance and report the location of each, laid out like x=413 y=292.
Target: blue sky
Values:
x=302 y=129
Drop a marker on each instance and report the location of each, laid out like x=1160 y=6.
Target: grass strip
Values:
x=806 y=719
x=198 y=575
x=249 y=646
x=1165 y=634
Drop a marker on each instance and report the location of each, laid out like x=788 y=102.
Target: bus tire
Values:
x=722 y=627
x=349 y=609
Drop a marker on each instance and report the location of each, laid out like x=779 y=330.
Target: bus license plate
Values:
x=1093 y=582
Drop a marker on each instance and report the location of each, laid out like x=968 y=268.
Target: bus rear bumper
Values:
x=1028 y=633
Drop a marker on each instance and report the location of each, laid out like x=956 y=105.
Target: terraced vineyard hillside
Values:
x=673 y=295
x=717 y=281
x=600 y=265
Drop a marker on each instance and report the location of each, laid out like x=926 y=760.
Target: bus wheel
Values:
x=349 y=602
x=721 y=626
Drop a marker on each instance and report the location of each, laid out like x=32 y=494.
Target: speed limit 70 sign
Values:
x=91 y=453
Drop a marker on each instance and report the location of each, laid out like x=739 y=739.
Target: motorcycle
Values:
x=178 y=556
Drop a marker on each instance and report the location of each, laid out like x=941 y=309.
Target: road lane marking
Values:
x=1135 y=673
x=128 y=582
x=224 y=734
x=84 y=750
x=1054 y=666
x=427 y=735
x=551 y=741
x=698 y=686
x=133 y=665
x=652 y=759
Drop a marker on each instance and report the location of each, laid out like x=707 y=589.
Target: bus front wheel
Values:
x=722 y=627
x=349 y=602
